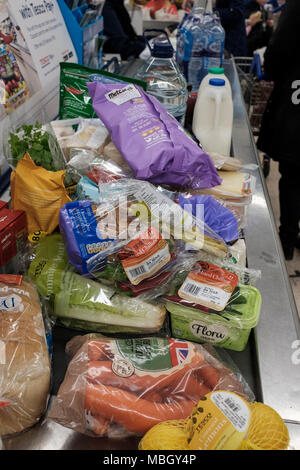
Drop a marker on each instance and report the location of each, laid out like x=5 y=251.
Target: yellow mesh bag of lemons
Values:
x=224 y=421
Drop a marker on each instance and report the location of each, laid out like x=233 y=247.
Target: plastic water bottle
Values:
x=216 y=40
x=201 y=43
x=163 y=76
x=181 y=30
x=213 y=117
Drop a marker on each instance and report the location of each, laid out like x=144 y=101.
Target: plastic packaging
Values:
x=89 y=134
x=74 y=98
x=88 y=305
x=40 y=193
x=200 y=43
x=235 y=185
x=163 y=77
x=118 y=387
x=214 y=304
x=220 y=219
x=213 y=117
x=25 y=365
x=140 y=125
x=33 y=136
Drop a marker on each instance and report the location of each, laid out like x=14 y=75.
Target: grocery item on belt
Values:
x=89 y=134
x=234 y=185
x=153 y=144
x=120 y=387
x=24 y=357
x=81 y=303
x=40 y=193
x=159 y=206
x=39 y=141
x=220 y=219
x=214 y=304
x=74 y=98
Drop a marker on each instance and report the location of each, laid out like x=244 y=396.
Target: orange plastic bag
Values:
x=40 y=193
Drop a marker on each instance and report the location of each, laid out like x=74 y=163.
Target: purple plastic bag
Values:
x=220 y=219
x=151 y=141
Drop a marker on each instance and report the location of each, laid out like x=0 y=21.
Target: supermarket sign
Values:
x=42 y=32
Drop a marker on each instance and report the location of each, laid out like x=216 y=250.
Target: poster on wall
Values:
x=13 y=86
x=41 y=31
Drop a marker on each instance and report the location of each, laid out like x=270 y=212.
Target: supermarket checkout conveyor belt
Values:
x=269 y=363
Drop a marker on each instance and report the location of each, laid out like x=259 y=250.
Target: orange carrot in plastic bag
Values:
x=134 y=414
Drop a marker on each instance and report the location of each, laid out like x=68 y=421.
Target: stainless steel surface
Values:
x=271 y=356
x=278 y=331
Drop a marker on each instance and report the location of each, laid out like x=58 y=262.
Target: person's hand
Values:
x=270 y=23
x=254 y=18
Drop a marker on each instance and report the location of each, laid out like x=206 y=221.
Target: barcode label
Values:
x=137 y=271
x=148 y=266
x=204 y=294
x=232 y=405
x=191 y=289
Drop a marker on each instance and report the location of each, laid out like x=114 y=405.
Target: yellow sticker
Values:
x=220 y=421
x=35 y=237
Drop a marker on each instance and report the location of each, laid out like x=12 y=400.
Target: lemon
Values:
x=167 y=435
x=267 y=430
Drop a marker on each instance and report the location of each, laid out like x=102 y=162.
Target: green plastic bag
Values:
x=74 y=99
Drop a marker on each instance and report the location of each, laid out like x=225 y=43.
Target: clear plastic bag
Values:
x=235 y=185
x=86 y=134
x=34 y=135
x=120 y=387
x=215 y=301
x=86 y=304
x=25 y=369
x=224 y=163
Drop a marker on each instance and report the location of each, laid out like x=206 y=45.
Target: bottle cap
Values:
x=216 y=70
x=217 y=82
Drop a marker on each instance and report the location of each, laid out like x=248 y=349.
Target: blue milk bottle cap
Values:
x=217 y=82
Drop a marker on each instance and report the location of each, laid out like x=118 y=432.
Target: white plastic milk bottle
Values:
x=213 y=117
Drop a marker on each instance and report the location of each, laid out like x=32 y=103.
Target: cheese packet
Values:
x=40 y=193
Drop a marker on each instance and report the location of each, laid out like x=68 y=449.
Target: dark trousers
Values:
x=289 y=198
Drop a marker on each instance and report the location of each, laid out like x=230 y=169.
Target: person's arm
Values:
x=282 y=49
x=232 y=14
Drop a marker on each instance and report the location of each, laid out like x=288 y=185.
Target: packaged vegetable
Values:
x=25 y=363
x=159 y=206
x=40 y=193
x=118 y=387
x=212 y=303
x=153 y=144
x=86 y=304
x=74 y=99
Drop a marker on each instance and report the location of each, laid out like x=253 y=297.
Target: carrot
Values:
x=209 y=374
x=100 y=372
x=151 y=395
x=99 y=350
x=134 y=414
x=188 y=388
x=98 y=424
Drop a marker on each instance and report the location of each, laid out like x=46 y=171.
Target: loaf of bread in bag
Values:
x=24 y=357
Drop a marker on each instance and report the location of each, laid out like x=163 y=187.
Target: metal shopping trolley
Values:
x=256 y=92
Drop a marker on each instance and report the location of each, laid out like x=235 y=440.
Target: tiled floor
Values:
x=294 y=265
